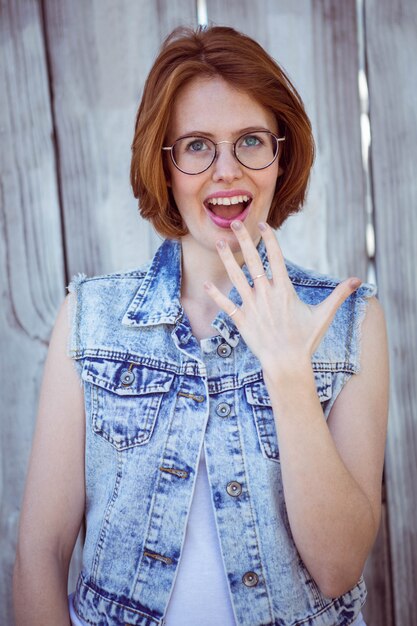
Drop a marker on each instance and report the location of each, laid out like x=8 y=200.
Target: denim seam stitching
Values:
x=153 y=502
x=106 y=522
x=123 y=606
x=254 y=524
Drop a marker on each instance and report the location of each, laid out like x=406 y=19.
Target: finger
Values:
x=233 y=270
x=331 y=304
x=274 y=252
x=223 y=302
x=249 y=251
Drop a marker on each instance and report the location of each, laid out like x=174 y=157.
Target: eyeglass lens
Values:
x=254 y=150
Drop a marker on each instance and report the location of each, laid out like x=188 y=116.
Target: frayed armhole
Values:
x=354 y=343
x=364 y=293
x=74 y=301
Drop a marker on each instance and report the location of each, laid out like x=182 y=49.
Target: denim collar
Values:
x=157 y=301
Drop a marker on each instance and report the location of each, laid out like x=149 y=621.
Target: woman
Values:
x=194 y=368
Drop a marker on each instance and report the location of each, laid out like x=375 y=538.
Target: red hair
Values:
x=216 y=51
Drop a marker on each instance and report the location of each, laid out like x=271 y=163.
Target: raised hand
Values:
x=279 y=328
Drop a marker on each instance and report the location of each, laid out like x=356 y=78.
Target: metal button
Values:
x=127 y=378
x=234 y=488
x=223 y=409
x=224 y=350
x=250 y=579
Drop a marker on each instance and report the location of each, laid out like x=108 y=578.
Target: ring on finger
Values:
x=235 y=310
x=259 y=276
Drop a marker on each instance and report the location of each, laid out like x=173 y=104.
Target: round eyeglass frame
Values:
x=233 y=143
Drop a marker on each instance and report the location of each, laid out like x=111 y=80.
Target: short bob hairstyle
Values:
x=212 y=52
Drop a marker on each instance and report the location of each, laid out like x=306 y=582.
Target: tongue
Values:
x=228 y=212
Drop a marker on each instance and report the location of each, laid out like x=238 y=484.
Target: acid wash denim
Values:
x=152 y=400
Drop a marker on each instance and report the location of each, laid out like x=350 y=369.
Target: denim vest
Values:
x=152 y=399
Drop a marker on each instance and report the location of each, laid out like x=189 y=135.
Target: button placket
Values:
x=223 y=402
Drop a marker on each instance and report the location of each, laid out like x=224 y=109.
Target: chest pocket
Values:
x=258 y=398
x=125 y=400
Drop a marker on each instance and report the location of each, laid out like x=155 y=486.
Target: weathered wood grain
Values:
x=391 y=49
x=31 y=261
x=101 y=52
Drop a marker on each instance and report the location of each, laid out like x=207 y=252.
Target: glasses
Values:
x=194 y=155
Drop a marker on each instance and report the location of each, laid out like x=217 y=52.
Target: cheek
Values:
x=269 y=182
x=179 y=189
x=185 y=188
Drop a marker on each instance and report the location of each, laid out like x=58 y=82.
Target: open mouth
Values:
x=223 y=211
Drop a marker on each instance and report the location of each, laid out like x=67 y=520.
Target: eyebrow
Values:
x=241 y=131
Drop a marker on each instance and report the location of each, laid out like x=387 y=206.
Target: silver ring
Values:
x=259 y=275
x=235 y=310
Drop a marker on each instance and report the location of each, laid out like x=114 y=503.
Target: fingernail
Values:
x=207 y=285
x=237 y=225
x=355 y=283
x=221 y=244
x=262 y=226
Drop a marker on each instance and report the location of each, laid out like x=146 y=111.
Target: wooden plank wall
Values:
x=71 y=74
x=31 y=255
x=100 y=53
x=391 y=49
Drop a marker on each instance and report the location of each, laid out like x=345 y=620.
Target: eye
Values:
x=197 y=144
x=251 y=141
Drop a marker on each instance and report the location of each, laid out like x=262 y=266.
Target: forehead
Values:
x=215 y=106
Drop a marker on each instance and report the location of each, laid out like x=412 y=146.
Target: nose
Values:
x=226 y=167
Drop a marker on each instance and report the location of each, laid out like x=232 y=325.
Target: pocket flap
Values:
x=323 y=382
x=257 y=394
x=125 y=379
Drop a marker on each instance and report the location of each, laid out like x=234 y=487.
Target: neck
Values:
x=201 y=265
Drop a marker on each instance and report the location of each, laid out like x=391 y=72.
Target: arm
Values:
x=53 y=503
x=331 y=472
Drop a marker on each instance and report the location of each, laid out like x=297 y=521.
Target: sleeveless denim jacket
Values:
x=151 y=402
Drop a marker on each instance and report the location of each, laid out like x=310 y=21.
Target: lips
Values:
x=225 y=207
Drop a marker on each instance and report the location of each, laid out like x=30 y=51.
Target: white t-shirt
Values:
x=200 y=594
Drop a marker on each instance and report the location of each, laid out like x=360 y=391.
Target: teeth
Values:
x=228 y=201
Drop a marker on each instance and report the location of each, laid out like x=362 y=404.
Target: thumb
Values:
x=339 y=294
x=327 y=309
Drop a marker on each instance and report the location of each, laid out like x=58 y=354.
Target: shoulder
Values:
x=97 y=304
x=374 y=330
x=112 y=279
x=117 y=288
